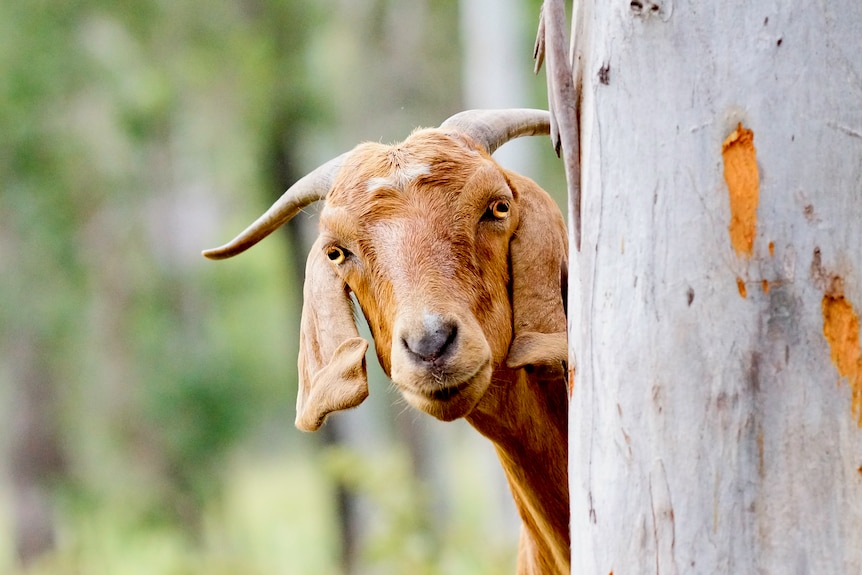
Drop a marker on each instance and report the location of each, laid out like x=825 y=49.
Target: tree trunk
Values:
x=717 y=400
x=37 y=454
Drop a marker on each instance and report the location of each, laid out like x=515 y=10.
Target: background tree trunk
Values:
x=715 y=415
x=37 y=457
x=495 y=74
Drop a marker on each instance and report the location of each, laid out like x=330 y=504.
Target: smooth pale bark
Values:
x=710 y=428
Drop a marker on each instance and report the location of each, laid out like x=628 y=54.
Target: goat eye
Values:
x=336 y=255
x=499 y=209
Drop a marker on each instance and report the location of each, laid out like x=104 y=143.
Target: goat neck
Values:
x=524 y=415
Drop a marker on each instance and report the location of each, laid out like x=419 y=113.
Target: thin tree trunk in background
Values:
x=713 y=306
x=491 y=34
x=36 y=451
x=495 y=68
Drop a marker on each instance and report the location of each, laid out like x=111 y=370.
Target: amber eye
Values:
x=336 y=255
x=499 y=209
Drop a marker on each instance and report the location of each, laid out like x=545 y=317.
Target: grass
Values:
x=276 y=516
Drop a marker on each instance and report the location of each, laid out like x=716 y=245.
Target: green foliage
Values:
x=131 y=135
x=109 y=114
x=401 y=536
x=257 y=527
x=388 y=482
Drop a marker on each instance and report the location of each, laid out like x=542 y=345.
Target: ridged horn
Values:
x=309 y=189
x=493 y=128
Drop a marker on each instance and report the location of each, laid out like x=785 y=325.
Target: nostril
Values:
x=433 y=342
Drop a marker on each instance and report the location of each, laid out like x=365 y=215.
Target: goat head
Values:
x=458 y=266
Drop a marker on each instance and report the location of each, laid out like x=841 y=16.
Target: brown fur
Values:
x=423 y=252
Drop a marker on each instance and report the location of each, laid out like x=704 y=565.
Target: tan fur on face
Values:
x=424 y=248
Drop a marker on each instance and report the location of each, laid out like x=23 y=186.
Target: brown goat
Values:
x=459 y=267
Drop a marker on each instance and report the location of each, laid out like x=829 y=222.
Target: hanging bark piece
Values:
x=743 y=183
x=552 y=45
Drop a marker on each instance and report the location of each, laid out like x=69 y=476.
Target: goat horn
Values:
x=311 y=188
x=493 y=128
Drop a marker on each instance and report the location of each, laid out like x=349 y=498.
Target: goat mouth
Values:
x=451 y=386
x=449 y=400
x=448 y=393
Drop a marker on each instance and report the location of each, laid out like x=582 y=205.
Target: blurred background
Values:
x=146 y=394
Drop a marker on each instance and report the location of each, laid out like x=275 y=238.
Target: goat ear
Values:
x=534 y=348
x=332 y=372
x=539 y=262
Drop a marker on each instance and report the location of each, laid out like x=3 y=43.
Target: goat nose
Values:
x=431 y=342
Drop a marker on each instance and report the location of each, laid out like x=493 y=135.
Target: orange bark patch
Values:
x=571 y=381
x=740 y=285
x=771 y=249
x=743 y=183
x=764 y=284
x=841 y=329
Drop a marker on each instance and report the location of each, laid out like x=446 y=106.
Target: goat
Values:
x=459 y=267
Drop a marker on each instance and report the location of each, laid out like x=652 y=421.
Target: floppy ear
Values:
x=539 y=260
x=332 y=372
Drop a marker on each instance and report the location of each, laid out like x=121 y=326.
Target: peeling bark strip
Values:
x=841 y=329
x=553 y=44
x=743 y=183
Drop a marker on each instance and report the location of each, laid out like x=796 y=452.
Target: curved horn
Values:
x=493 y=128
x=310 y=188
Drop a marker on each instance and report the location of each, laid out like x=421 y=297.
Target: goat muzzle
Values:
x=441 y=363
